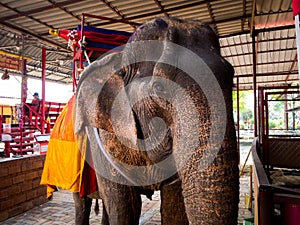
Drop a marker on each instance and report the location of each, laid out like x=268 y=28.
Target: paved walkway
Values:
x=61 y=210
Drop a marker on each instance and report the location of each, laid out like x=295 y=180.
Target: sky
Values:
x=10 y=91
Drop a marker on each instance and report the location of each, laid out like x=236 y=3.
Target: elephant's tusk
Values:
x=107 y=156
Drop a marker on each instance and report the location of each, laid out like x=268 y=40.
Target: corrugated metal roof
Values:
x=28 y=22
x=276 y=57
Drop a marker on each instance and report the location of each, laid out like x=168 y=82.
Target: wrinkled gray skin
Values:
x=83 y=210
x=193 y=194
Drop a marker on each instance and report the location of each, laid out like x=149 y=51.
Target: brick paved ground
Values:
x=60 y=210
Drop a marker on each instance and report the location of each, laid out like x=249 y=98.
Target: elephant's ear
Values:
x=101 y=100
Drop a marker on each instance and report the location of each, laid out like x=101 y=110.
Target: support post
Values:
x=7 y=149
x=286 y=114
x=23 y=96
x=42 y=120
x=261 y=113
x=298 y=42
x=74 y=68
x=1 y=118
x=265 y=206
x=238 y=115
x=81 y=47
x=254 y=80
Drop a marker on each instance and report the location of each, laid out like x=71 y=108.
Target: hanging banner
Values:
x=296 y=7
x=11 y=63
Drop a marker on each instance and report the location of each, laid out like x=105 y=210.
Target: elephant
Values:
x=82 y=209
x=157 y=116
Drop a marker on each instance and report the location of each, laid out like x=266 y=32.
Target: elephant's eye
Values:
x=157 y=87
x=121 y=72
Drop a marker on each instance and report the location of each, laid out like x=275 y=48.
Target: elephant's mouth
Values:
x=154 y=134
x=162 y=150
x=138 y=168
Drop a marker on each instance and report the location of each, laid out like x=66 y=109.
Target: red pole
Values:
x=261 y=111
x=43 y=89
x=254 y=80
x=24 y=97
x=7 y=149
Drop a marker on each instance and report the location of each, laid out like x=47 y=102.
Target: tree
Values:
x=247 y=115
x=242 y=98
x=246 y=109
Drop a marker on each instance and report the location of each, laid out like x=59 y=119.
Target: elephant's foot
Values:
x=105 y=219
x=172 y=205
x=122 y=204
x=82 y=209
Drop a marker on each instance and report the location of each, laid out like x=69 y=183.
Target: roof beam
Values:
x=26 y=32
x=273 y=13
x=259 y=52
x=41 y=9
x=253 y=14
x=64 y=80
x=161 y=7
x=65 y=10
x=212 y=17
x=262 y=64
x=26 y=15
x=292 y=67
x=116 y=10
x=189 y=5
x=267 y=74
x=235 y=34
x=260 y=41
x=266 y=83
x=275 y=28
x=170 y=10
x=244 y=14
x=231 y=19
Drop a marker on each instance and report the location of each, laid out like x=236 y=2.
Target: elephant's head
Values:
x=162 y=106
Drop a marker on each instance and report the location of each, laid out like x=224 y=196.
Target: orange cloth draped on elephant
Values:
x=65 y=163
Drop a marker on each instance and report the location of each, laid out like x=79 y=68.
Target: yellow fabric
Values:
x=63 y=128
x=64 y=162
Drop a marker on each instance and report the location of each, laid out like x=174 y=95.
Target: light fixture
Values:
x=5 y=75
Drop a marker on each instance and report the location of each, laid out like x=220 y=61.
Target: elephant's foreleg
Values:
x=104 y=220
x=211 y=194
x=172 y=205
x=122 y=203
x=82 y=209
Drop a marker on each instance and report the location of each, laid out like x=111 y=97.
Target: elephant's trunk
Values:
x=211 y=188
x=209 y=194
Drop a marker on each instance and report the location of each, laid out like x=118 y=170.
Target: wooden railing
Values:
x=34 y=115
x=21 y=136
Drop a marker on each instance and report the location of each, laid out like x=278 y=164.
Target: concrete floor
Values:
x=61 y=210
